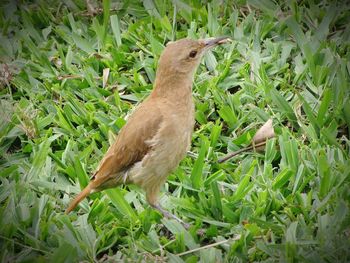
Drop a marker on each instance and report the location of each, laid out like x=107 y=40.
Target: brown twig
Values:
x=62 y=77
x=209 y=246
x=230 y=155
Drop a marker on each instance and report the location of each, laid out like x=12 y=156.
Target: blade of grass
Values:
x=119 y=202
x=196 y=175
x=116 y=29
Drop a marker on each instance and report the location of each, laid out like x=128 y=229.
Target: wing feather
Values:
x=131 y=143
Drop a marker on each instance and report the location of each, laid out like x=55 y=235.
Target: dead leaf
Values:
x=265 y=132
x=258 y=143
x=105 y=77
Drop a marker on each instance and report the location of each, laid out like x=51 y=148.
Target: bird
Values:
x=157 y=135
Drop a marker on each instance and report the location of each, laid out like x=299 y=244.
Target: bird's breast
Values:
x=169 y=146
x=179 y=132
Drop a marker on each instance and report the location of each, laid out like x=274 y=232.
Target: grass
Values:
x=61 y=106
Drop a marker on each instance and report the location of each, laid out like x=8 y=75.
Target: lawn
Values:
x=70 y=73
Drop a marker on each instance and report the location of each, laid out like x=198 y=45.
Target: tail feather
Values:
x=86 y=191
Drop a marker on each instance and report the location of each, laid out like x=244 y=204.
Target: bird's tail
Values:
x=86 y=191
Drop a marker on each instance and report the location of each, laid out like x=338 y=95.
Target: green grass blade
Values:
x=119 y=202
x=116 y=29
x=283 y=105
x=324 y=107
x=197 y=171
x=282 y=178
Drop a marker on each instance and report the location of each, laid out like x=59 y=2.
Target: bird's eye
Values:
x=193 y=53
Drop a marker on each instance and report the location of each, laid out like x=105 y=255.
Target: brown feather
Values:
x=79 y=198
x=130 y=147
x=131 y=144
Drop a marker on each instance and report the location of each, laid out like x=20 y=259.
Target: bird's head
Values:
x=183 y=56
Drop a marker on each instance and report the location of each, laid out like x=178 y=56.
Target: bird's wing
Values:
x=131 y=143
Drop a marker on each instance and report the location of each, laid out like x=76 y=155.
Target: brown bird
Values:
x=158 y=133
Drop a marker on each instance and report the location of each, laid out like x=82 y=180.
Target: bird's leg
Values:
x=152 y=198
x=169 y=215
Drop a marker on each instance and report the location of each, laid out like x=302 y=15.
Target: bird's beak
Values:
x=212 y=42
